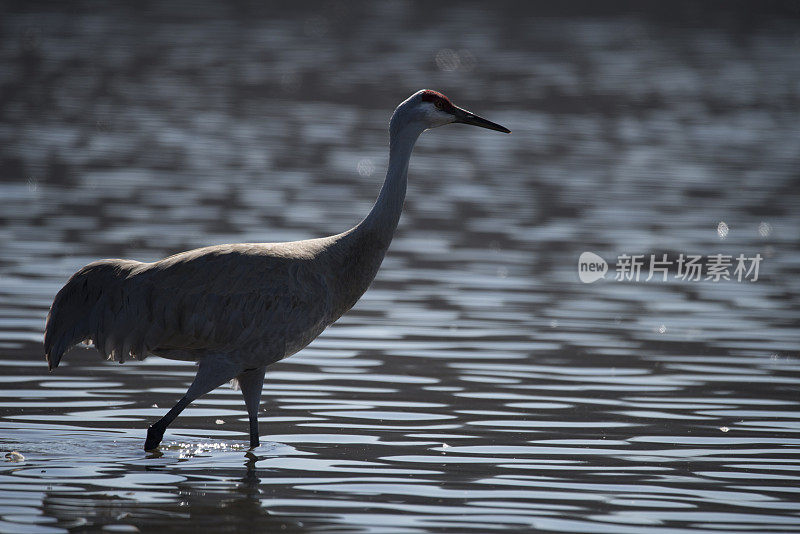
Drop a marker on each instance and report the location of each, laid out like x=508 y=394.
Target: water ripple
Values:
x=478 y=386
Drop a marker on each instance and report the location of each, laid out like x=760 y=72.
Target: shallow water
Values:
x=478 y=385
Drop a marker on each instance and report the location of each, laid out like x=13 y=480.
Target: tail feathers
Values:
x=80 y=310
x=66 y=326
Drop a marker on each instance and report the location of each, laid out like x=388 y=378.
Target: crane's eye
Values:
x=439 y=104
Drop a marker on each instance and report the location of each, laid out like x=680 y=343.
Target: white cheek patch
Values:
x=436 y=116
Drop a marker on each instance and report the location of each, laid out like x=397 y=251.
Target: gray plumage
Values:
x=257 y=302
x=237 y=308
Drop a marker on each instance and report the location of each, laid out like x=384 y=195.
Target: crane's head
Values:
x=429 y=109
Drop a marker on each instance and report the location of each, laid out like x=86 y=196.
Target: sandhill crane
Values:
x=237 y=308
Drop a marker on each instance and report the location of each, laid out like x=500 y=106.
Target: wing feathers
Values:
x=77 y=311
x=227 y=299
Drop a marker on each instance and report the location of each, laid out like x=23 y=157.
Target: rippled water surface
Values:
x=478 y=386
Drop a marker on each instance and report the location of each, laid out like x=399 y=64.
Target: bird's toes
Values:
x=154 y=437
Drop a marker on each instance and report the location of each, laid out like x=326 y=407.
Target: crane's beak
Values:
x=466 y=117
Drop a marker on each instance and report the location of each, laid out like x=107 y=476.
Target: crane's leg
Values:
x=214 y=371
x=251 y=381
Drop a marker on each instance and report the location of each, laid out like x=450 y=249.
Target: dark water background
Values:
x=478 y=386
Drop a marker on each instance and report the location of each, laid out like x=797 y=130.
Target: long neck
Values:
x=385 y=214
x=355 y=256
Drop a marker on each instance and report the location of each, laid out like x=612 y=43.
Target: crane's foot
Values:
x=254 y=443
x=154 y=437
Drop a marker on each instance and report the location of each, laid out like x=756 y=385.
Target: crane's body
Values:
x=255 y=302
x=237 y=308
